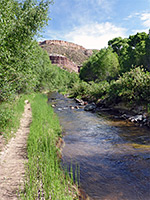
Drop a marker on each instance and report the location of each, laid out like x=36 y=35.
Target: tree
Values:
x=101 y=66
x=118 y=45
x=132 y=51
x=20 y=22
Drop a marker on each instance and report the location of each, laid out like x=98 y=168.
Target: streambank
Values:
x=135 y=114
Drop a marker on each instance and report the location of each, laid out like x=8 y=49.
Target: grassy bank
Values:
x=10 y=114
x=44 y=176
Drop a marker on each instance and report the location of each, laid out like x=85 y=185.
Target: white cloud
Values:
x=95 y=35
x=131 y=16
x=135 y=31
x=145 y=17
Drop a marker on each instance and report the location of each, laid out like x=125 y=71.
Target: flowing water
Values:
x=113 y=155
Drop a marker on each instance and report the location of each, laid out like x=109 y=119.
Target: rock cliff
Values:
x=63 y=62
x=66 y=54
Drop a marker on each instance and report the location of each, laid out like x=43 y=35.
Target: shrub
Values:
x=80 y=90
x=133 y=86
x=98 y=90
x=90 y=91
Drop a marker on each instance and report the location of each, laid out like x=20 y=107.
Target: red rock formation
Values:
x=65 y=54
x=63 y=62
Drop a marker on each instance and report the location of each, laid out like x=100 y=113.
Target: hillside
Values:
x=66 y=54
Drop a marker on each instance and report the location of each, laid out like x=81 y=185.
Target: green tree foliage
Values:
x=20 y=55
x=132 y=51
x=137 y=44
x=118 y=45
x=121 y=47
x=101 y=66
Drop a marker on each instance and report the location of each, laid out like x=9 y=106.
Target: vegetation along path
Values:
x=13 y=158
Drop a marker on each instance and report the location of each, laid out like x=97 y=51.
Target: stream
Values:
x=113 y=155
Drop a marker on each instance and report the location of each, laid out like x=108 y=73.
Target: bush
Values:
x=98 y=90
x=5 y=117
x=59 y=79
x=80 y=90
x=91 y=90
x=133 y=86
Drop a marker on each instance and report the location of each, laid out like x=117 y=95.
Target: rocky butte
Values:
x=66 y=55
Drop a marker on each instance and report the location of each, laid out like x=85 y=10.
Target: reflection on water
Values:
x=114 y=155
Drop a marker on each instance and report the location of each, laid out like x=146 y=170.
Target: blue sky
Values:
x=92 y=23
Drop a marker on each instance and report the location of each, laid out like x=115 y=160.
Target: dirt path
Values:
x=13 y=158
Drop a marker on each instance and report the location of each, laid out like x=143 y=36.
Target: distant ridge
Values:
x=62 y=43
x=66 y=54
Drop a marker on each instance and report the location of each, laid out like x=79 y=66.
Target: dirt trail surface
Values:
x=13 y=158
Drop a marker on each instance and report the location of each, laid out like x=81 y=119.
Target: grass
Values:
x=44 y=176
x=10 y=114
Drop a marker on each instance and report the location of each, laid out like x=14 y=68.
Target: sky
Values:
x=92 y=23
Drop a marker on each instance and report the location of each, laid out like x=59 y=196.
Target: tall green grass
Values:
x=10 y=114
x=44 y=177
